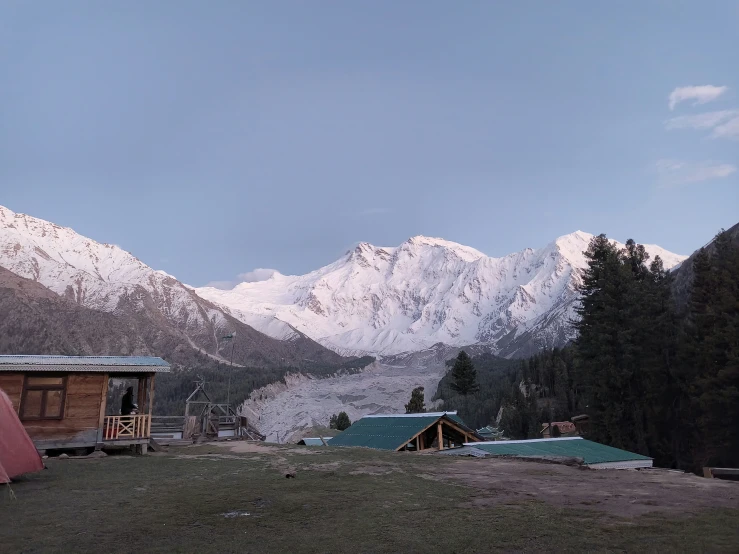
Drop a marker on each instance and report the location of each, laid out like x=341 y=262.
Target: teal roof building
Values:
x=414 y=432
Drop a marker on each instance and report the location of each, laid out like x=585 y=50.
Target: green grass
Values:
x=348 y=500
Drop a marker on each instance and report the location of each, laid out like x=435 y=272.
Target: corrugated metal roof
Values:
x=313 y=441
x=390 y=432
x=111 y=364
x=573 y=447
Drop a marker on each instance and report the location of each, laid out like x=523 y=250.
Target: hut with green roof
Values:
x=413 y=432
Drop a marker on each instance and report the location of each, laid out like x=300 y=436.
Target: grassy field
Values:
x=212 y=499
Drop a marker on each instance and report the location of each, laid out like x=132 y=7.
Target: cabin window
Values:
x=43 y=397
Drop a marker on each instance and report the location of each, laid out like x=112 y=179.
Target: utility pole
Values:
x=230 y=370
x=230 y=337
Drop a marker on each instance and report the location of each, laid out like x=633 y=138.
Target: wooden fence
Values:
x=126 y=427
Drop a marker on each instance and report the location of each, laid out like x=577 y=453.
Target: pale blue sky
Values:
x=212 y=138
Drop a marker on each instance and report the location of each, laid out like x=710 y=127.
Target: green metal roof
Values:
x=389 y=432
x=576 y=447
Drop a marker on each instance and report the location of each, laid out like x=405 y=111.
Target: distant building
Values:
x=582 y=424
x=558 y=429
x=414 y=432
x=61 y=400
x=314 y=441
x=490 y=433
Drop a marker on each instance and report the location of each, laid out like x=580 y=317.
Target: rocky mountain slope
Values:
x=684 y=273
x=383 y=300
x=104 y=278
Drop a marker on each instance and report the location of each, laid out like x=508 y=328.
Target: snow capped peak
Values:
x=572 y=246
x=426 y=291
x=467 y=253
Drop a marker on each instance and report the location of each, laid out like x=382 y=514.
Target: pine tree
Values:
x=520 y=413
x=416 y=404
x=464 y=375
x=613 y=338
x=343 y=422
x=332 y=422
x=600 y=352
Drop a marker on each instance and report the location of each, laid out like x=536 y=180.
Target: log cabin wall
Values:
x=85 y=393
x=12 y=384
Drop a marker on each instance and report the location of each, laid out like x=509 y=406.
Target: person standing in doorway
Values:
x=127 y=405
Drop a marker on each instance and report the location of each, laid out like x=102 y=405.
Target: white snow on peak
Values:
x=107 y=278
x=389 y=300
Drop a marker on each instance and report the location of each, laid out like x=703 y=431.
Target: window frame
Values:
x=44 y=395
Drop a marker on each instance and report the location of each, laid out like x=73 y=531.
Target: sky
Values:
x=213 y=139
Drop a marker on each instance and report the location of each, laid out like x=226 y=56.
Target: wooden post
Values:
x=151 y=402
x=103 y=402
x=441 y=436
x=141 y=395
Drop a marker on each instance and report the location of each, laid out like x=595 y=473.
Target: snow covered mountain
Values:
x=375 y=300
x=106 y=278
x=386 y=301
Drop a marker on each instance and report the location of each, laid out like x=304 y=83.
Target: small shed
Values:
x=593 y=454
x=314 y=441
x=414 y=432
x=61 y=400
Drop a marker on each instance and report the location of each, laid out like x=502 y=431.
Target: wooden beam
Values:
x=151 y=402
x=429 y=426
x=441 y=436
x=141 y=394
x=103 y=402
x=461 y=431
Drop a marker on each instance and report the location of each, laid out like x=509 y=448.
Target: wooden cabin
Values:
x=63 y=400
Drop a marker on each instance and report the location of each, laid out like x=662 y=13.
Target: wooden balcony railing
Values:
x=123 y=427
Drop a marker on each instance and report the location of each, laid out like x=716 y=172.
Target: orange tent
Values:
x=18 y=455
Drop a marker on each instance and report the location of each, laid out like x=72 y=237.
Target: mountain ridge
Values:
x=372 y=300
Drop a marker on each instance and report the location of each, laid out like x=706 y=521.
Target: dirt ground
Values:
x=621 y=492
x=496 y=481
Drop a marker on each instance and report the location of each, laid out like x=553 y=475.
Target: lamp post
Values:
x=230 y=337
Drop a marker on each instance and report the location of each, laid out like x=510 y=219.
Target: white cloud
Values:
x=258 y=274
x=701 y=94
x=729 y=130
x=707 y=120
x=676 y=172
x=255 y=275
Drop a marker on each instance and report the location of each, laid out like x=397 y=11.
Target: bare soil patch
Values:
x=244 y=447
x=625 y=493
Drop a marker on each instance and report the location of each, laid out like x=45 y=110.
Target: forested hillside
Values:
x=656 y=376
